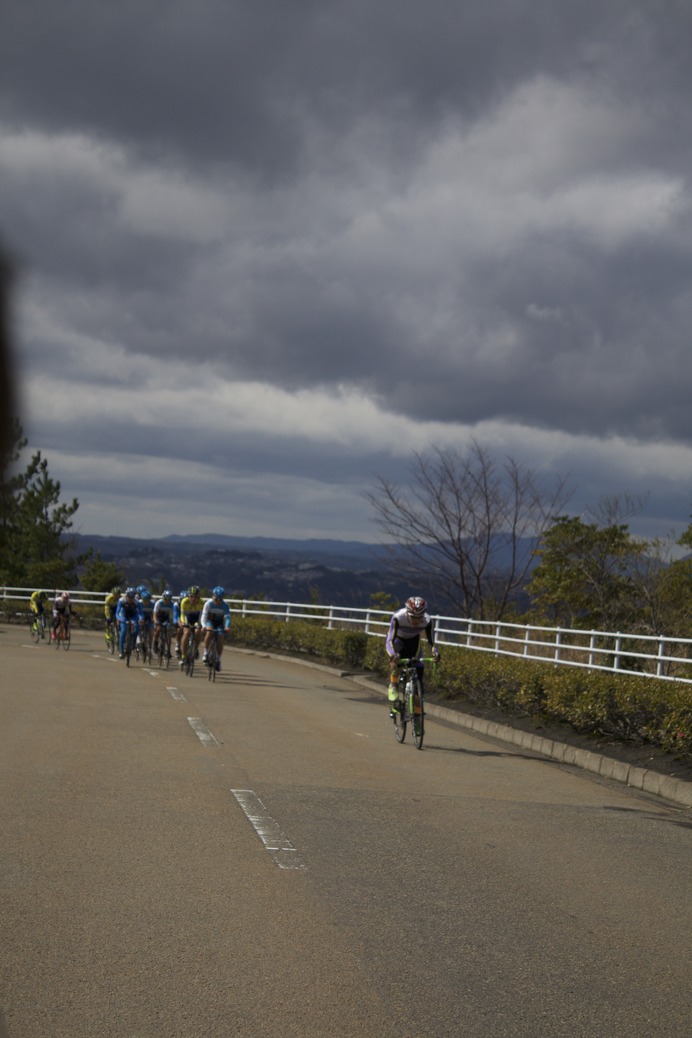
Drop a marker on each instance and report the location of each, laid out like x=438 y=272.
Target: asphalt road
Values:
x=259 y=857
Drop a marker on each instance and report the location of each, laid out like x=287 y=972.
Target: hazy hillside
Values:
x=337 y=572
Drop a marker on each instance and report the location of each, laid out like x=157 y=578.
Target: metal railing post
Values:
x=618 y=651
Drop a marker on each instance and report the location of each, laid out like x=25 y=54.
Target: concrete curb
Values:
x=676 y=790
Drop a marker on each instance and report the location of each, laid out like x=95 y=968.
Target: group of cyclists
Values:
x=191 y=617
x=61 y=608
x=188 y=616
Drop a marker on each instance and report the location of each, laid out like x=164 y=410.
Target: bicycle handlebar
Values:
x=409 y=663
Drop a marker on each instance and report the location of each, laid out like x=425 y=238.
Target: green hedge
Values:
x=621 y=706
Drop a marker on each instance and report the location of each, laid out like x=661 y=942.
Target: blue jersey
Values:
x=128 y=610
x=216 y=614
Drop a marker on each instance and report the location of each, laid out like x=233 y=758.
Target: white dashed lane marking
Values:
x=202 y=733
x=274 y=839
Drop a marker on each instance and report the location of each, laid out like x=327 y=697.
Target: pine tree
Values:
x=33 y=524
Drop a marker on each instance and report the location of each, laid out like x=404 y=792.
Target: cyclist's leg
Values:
x=393 y=686
x=219 y=646
x=207 y=640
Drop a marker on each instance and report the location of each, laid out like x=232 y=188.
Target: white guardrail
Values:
x=659 y=656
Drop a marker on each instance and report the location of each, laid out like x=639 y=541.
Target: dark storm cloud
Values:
x=233 y=81
x=465 y=213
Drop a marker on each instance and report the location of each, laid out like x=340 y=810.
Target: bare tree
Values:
x=467 y=526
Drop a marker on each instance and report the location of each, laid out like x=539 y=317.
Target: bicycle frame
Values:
x=129 y=643
x=410 y=708
x=111 y=635
x=144 y=641
x=37 y=626
x=164 y=644
x=212 y=657
x=62 y=632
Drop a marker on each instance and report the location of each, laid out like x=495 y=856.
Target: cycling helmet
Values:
x=193 y=591
x=66 y=596
x=167 y=594
x=141 y=588
x=218 y=592
x=129 y=592
x=183 y=593
x=416 y=606
x=116 y=591
x=146 y=595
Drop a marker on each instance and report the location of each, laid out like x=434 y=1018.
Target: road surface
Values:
x=259 y=857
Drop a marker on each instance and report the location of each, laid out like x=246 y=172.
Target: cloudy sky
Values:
x=266 y=249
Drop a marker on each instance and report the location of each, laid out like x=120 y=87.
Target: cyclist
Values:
x=36 y=606
x=129 y=609
x=61 y=609
x=176 y=620
x=403 y=642
x=163 y=614
x=216 y=619
x=190 y=612
x=147 y=617
x=109 y=607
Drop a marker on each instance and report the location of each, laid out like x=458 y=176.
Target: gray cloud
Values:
x=463 y=216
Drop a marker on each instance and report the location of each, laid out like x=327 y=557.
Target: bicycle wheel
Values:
x=417 y=713
x=189 y=666
x=128 y=645
x=399 y=721
x=34 y=631
x=211 y=663
x=164 y=649
x=66 y=636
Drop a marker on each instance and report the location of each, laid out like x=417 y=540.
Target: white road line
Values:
x=202 y=733
x=274 y=839
x=176 y=694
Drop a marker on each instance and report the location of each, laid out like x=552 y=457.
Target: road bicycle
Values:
x=212 y=660
x=129 y=644
x=410 y=706
x=143 y=644
x=163 y=646
x=111 y=636
x=62 y=633
x=188 y=660
x=37 y=627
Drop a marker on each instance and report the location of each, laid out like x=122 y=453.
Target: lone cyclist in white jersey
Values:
x=403 y=641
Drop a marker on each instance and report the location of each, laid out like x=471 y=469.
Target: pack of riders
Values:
x=191 y=617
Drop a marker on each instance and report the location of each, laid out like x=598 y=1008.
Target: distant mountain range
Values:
x=345 y=573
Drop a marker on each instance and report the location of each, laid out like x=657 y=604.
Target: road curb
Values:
x=668 y=788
